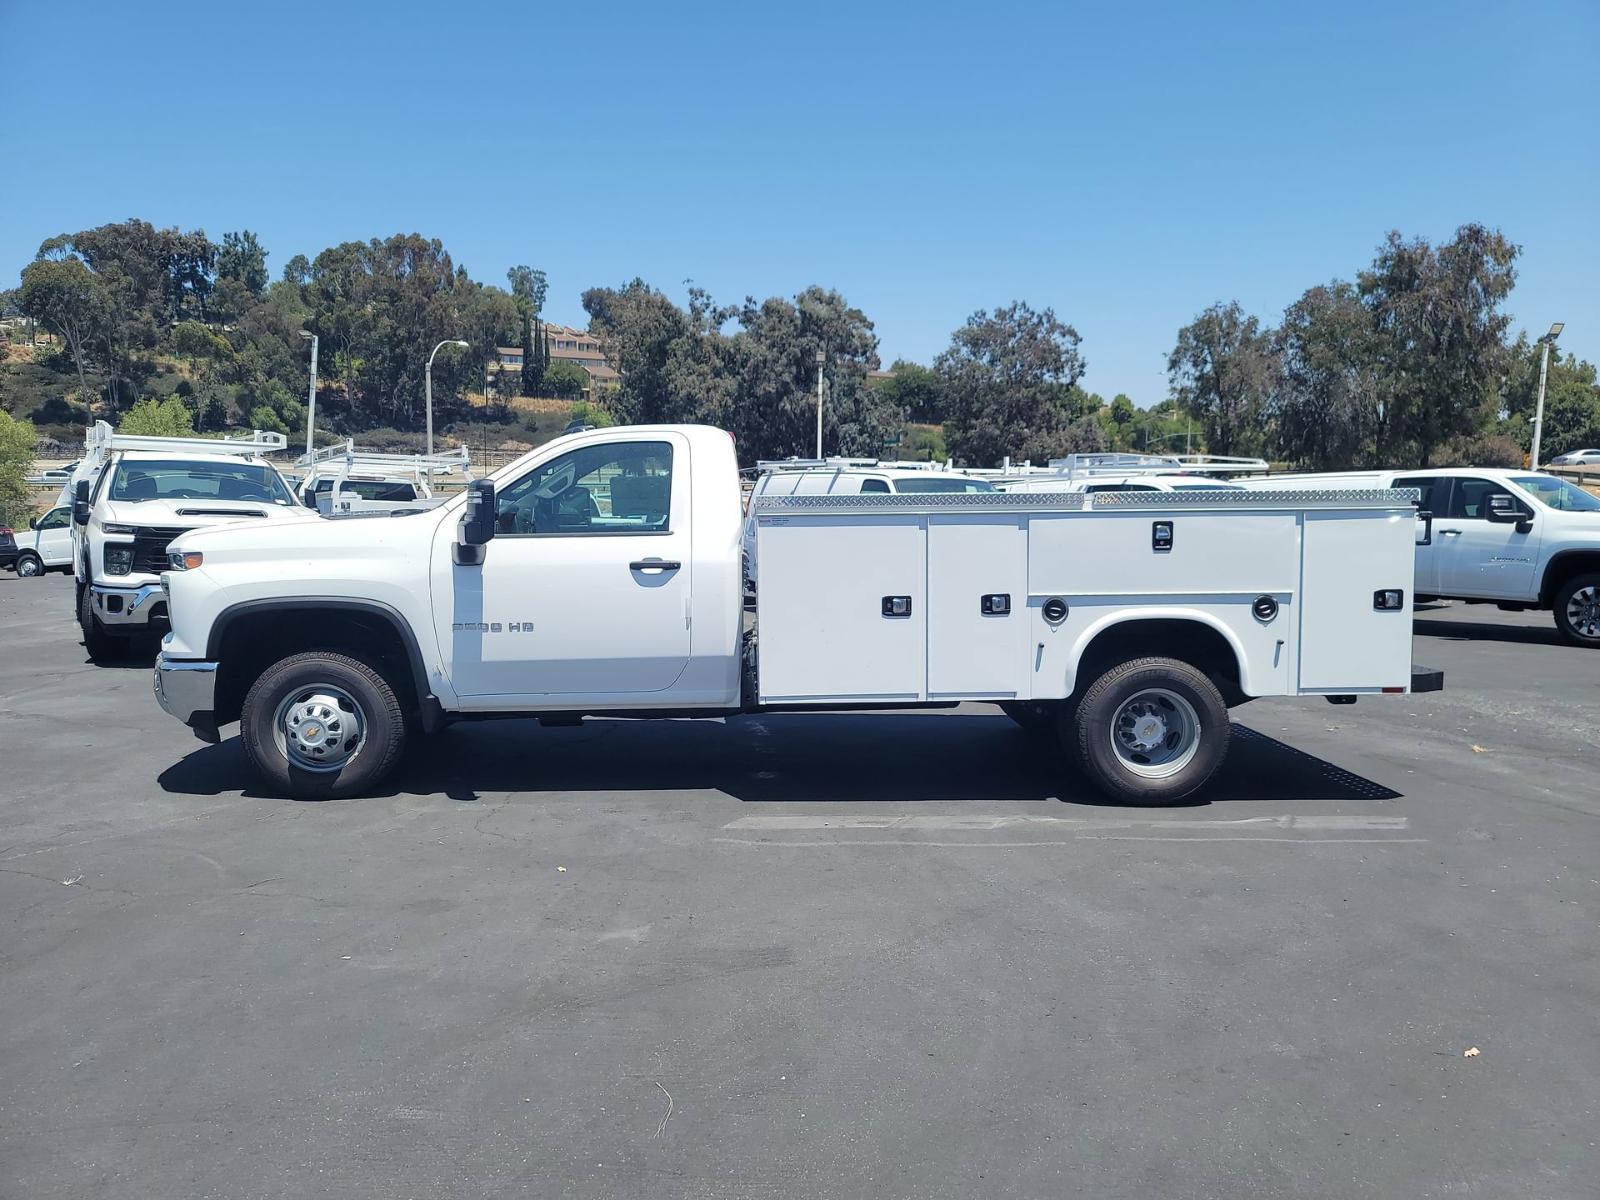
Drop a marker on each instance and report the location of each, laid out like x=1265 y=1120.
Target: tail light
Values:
x=5 y=531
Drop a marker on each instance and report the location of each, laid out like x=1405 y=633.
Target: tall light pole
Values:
x=427 y=383
x=311 y=395
x=821 y=359
x=1544 y=369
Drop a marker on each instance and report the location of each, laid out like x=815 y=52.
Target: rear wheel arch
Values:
x=248 y=638
x=1191 y=639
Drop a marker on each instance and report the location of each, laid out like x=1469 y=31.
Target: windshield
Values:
x=370 y=489
x=935 y=484
x=1557 y=493
x=174 y=479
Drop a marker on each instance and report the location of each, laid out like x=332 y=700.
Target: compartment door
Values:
x=973 y=653
x=1347 y=645
x=820 y=590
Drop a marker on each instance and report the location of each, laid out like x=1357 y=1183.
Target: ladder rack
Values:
x=102 y=440
x=348 y=456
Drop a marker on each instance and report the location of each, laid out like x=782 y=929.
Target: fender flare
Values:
x=389 y=615
x=1159 y=613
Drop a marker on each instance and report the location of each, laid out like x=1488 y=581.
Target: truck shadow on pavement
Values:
x=1484 y=631
x=792 y=758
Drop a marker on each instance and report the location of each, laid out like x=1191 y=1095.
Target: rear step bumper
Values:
x=1426 y=679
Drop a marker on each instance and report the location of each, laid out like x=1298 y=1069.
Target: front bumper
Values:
x=135 y=605
x=187 y=690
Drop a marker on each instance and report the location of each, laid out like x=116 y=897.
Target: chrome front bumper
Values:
x=127 y=605
x=187 y=690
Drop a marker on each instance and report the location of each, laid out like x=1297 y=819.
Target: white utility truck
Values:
x=600 y=574
x=344 y=480
x=47 y=546
x=1517 y=539
x=133 y=495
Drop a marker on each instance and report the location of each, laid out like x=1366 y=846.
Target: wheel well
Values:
x=1562 y=568
x=1193 y=642
x=252 y=641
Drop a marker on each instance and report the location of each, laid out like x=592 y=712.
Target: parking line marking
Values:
x=981 y=824
x=846 y=843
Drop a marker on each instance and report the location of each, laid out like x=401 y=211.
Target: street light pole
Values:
x=1538 y=413
x=427 y=383
x=821 y=358
x=311 y=395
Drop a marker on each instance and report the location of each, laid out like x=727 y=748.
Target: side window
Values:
x=871 y=486
x=1426 y=484
x=617 y=487
x=1469 y=499
x=56 y=518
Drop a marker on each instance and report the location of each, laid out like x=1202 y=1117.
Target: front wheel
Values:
x=1577 y=610
x=321 y=726
x=1152 y=731
x=101 y=646
x=29 y=565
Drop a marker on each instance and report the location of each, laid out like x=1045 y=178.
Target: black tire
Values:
x=29 y=565
x=101 y=645
x=381 y=718
x=1198 y=753
x=1576 y=614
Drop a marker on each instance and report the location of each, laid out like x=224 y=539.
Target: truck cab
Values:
x=134 y=495
x=1516 y=538
x=47 y=546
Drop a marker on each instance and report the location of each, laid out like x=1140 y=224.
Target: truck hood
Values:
x=313 y=537
x=195 y=514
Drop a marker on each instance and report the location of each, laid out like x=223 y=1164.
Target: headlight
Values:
x=127 y=529
x=184 y=560
x=119 y=560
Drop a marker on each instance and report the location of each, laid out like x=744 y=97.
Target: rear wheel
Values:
x=101 y=645
x=1577 y=610
x=321 y=725
x=29 y=564
x=1151 y=731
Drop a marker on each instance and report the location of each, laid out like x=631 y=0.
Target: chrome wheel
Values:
x=319 y=728
x=28 y=566
x=1155 y=733
x=1583 y=612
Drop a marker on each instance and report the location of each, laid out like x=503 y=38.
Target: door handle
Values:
x=1451 y=532
x=654 y=564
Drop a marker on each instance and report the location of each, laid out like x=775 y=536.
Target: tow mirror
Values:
x=477 y=523
x=80 y=503
x=1504 y=510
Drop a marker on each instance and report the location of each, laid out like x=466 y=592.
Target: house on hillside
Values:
x=577 y=346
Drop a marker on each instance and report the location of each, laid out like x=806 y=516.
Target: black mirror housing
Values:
x=33 y=522
x=477 y=523
x=80 y=503
x=1504 y=510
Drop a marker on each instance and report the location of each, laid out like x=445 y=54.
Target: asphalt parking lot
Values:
x=807 y=955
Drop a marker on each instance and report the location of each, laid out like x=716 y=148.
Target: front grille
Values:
x=150 y=548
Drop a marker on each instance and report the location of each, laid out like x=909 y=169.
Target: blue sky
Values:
x=1124 y=164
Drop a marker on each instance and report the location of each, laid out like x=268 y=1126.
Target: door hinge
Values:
x=687 y=611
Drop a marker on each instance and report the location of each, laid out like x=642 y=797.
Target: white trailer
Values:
x=601 y=575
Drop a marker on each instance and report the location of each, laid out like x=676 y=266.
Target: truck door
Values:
x=1435 y=492
x=584 y=589
x=1479 y=557
x=53 y=537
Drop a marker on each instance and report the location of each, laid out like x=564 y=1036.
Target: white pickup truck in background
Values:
x=1517 y=539
x=600 y=575
x=132 y=495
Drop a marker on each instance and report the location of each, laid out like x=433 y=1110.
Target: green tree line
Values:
x=1408 y=363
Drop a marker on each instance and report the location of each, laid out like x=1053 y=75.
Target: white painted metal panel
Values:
x=1109 y=553
x=1345 y=643
x=971 y=653
x=823 y=635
